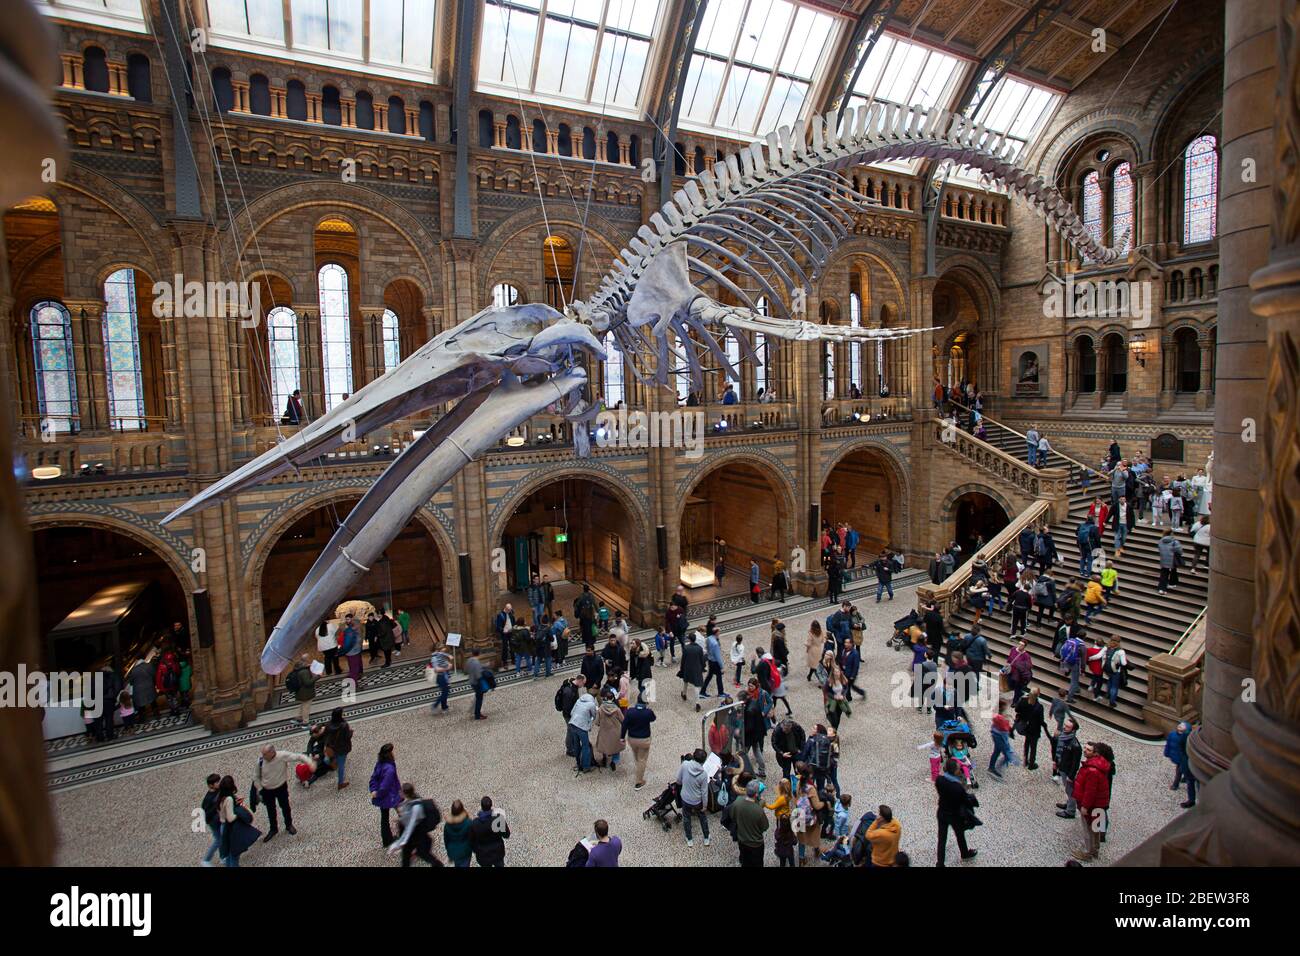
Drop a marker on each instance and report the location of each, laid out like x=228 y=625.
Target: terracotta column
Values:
x=1146 y=237
x=1245 y=211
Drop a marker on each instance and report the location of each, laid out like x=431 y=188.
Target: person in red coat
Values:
x=1092 y=794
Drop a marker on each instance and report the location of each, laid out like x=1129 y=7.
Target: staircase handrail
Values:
x=1008 y=428
x=948 y=594
x=1185 y=642
x=1033 y=481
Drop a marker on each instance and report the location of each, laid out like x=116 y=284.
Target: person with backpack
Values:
x=417 y=818
x=350 y=648
x=1019 y=669
x=1020 y=602
x=754 y=727
x=301 y=682
x=1171 y=556
x=1043 y=593
x=977 y=653
x=1083 y=538
x=1114 y=668
x=212 y=817
x=488 y=834
x=475 y=670
x=768 y=673
x=1068 y=756
x=1071 y=653
x=884 y=568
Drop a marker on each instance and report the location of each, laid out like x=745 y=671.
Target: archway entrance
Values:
x=977 y=518
x=408 y=576
x=859 y=492
x=103 y=597
x=733 y=515
x=571 y=532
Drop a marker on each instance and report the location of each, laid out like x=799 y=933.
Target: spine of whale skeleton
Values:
x=771 y=215
x=769 y=218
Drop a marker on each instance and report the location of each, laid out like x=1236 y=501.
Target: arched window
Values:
x=557 y=267
x=392 y=341
x=295 y=101
x=282 y=342
x=1121 y=207
x=222 y=90
x=1200 y=190
x=1116 y=364
x=762 y=382
x=504 y=294
x=56 y=381
x=1187 y=358
x=855 y=348
x=335 y=332
x=1087 y=365
x=138 y=82
x=94 y=69
x=365 y=111
x=615 y=387
x=259 y=95
x=331 y=106
x=828 y=370
x=397 y=115
x=1091 y=214
x=122 y=353
x=426 y=121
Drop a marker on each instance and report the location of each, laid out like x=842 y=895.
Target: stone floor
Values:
x=517 y=756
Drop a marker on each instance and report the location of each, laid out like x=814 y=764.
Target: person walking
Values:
x=713 y=654
x=956 y=810
x=755 y=585
x=884 y=568
x=693 y=789
x=417 y=818
x=1114 y=668
x=301 y=682
x=536 y=595
x=237 y=830
x=608 y=725
x=455 y=835
x=737 y=657
x=1019 y=670
x=754 y=728
x=1000 y=730
x=488 y=834
x=350 y=648
x=1021 y=601
x=338 y=745
x=474 y=671
x=211 y=807
x=271 y=779
x=1068 y=757
x=1031 y=445
x=814 y=647
x=636 y=731
x=751 y=823
x=692 y=670
x=851 y=666
x=385 y=791
x=1201 y=541
x=788 y=740
x=1031 y=721
x=780 y=583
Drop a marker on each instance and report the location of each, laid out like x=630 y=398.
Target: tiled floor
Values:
x=517 y=756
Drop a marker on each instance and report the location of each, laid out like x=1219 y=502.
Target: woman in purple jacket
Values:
x=385 y=790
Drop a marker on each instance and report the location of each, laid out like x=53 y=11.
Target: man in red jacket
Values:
x=1092 y=794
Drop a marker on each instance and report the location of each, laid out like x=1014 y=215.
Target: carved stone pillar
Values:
x=1205 y=396
x=88 y=357
x=1146 y=237
x=499 y=135
x=279 y=103
x=239 y=96
x=314 y=108
x=73 y=76
x=1243 y=355
x=348 y=112
x=412 y=122
x=117 y=85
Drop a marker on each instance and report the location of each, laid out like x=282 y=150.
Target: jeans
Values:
x=1091 y=610
x=1073 y=692
x=1031 y=451
x=580 y=741
x=444 y=690
x=1085 y=562
x=688 y=811
x=537 y=662
x=215 y=848
x=1191 y=788
x=715 y=670
x=522 y=661
x=478 y=701
x=1001 y=748
x=538 y=613
x=1067 y=783
x=883 y=586
x=1112 y=687
x=1121 y=535
x=341 y=762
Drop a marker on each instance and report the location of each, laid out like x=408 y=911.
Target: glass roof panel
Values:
x=122 y=14
x=754 y=51
x=580 y=53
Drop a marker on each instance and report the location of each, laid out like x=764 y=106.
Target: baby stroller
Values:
x=901 y=627
x=664 y=809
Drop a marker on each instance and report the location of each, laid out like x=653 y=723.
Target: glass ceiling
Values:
x=1020 y=111
x=332 y=32
x=753 y=66
x=121 y=14
x=584 y=53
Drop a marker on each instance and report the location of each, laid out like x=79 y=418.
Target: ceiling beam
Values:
x=868 y=29
x=1113 y=48
x=669 y=98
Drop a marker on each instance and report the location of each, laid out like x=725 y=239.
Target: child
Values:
x=959 y=750
x=126 y=708
x=1001 y=731
x=661 y=643
x=785 y=840
x=839 y=830
x=1109 y=581
x=738 y=656
x=602 y=616
x=935 y=748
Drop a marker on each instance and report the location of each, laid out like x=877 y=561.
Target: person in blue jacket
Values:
x=851 y=664
x=1176 y=751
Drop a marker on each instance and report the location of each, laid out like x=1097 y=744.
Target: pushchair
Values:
x=900 y=638
x=664 y=809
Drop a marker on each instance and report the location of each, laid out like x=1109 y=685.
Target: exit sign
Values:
x=561 y=538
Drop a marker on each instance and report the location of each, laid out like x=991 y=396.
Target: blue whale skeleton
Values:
x=767 y=218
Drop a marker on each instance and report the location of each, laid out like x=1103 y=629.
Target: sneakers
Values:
x=639 y=786
x=1187 y=804
x=970 y=855
x=690 y=842
x=708 y=842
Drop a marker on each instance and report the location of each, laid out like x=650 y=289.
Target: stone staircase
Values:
x=1148 y=623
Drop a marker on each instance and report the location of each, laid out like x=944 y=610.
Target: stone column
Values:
x=1146 y=237
x=73 y=77
x=88 y=358
x=1250 y=89
x=1205 y=396
x=239 y=96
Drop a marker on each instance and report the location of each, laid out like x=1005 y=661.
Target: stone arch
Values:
x=866 y=247
x=129 y=212
x=256 y=548
x=172 y=549
x=972 y=273
x=896 y=469
x=598 y=228
x=945 y=510
x=262 y=271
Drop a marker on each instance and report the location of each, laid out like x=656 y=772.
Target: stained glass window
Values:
x=615 y=389
x=56 y=383
x=1200 y=190
x=122 y=353
x=336 y=333
x=504 y=294
x=392 y=341
x=1092 y=204
x=1121 y=205
x=282 y=339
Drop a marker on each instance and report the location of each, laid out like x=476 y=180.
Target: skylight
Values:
x=584 y=53
x=753 y=65
x=332 y=32
x=1020 y=111
x=120 y=14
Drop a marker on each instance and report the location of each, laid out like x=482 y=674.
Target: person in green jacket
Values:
x=751 y=824
x=404 y=621
x=455 y=835
x=186 y=683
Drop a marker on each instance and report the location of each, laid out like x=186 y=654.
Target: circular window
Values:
x=1103 y=155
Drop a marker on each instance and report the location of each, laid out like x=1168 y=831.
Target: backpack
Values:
x=489 y=679
x=169 y=678
x=1070 y=651
x=577 y=856
x=290 y=682
x=774 y=676
x=559 y=698
x=432 y=817
x=820 y=752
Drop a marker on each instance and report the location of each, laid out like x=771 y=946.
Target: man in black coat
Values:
x=955 y=806
x=592 y=668
x=692 y=670
x=787 y=743
x=488 y=834
x=933 y=621
x=614 y=655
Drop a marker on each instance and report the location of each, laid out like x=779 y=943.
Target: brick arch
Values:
x=865 y=247
x=1054 y=155
x=896 y=468
x=610 y=479
x=132 y=216
x=496 y=242
x=762 y=461
x=349 y=202
x=171 y=548
x=980 y=284
x=946 y=509
x=258 y=545
x=265 y=270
